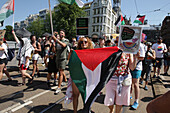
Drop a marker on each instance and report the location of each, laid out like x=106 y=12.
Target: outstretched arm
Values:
x=16 y=39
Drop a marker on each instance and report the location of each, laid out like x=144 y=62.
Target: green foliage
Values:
x=36 y=27
x=8 y=34
x=65 y=18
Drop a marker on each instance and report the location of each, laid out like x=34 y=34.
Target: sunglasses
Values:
x=83 y=41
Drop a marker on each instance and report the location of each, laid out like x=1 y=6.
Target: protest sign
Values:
x=130 y=38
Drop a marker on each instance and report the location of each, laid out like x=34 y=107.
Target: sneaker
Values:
x=141 y=82
x=57 y=91
x=63 y=84
x=154 y=76
x=135 y=105
x=130 y=97
x=145 y=88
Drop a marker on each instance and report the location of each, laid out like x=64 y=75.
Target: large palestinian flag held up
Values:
x=120 y=21
x=6 y=10
x=139 y=19
x=91 y=69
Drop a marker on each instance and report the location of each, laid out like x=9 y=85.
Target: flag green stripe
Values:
x=5 y=15
x=79 y=77
x=123 y=22
x=138 y=21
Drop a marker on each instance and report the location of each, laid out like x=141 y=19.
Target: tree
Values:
x=65 y=18
x=8 y=34
x=36 y=27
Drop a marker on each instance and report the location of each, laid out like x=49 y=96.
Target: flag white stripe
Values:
x=79 y=3
x=93 y=78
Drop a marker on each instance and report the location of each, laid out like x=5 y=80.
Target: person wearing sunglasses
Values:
x=83 y=43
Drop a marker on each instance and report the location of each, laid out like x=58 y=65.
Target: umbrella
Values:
x=23 y=33
x=46 y=34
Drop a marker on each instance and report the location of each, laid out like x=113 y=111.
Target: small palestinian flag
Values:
x=120 y=21
x=139 y=19
x=91 y=69
x=80 y=3
x=1 y=23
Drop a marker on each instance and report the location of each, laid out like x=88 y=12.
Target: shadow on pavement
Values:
x=11 y=83
x=147 y=99
x=100 y=99
x=12 y=97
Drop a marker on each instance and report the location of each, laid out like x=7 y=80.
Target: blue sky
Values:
x=25 y=7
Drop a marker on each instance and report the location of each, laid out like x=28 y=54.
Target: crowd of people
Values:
x=55 y=51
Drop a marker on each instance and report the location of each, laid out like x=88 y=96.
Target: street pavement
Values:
x=38 y=98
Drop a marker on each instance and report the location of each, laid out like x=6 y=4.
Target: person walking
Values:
x=136 y=75
x=35 y=57
x=147 y=64
x=83 y=43
x=166 y=61
x=61 y=57
x=160 y=48
x=3 y=60
x=52 y=64
x=117 y=91
x=25 y=49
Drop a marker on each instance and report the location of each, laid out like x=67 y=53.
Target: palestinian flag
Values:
x=6 y=10
x=120 y=21
x=70 y=2
x=139 y=19
x=91 y=69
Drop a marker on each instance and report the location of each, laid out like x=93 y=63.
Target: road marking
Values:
x=21 y=106
x=27 y=100
x=60 y=100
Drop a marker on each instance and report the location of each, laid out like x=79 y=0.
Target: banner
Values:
x=130 y=38
x=2 y=33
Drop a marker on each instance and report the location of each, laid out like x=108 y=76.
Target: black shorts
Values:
x=5 y=61
x=159 y=62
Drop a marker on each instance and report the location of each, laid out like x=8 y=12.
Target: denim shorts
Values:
x=167 y=62
x=136 y=73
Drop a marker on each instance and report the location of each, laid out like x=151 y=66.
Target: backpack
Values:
x=10 y=54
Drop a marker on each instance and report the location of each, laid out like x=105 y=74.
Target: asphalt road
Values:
x=38 y=98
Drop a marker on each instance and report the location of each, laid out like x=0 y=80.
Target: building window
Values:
x=94 y=11
x=93 y=28
x=93 y=19
x=98 y=10
x=104 y=19
x=101 y=19
x=108 y=21
x=97 y=30
x=100 y=28
x=97 y=19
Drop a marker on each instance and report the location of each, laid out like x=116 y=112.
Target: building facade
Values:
x=165 y=30
x=101 y=18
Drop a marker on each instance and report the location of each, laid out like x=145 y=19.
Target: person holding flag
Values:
x=118 y=87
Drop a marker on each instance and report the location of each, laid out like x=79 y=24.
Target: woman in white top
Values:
x=23 y=56
x=3 y=58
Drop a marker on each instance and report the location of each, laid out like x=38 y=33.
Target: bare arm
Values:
x=39 y=46
x=1 y=49
x=132 y=61
x=58 y=41
x=16 y=39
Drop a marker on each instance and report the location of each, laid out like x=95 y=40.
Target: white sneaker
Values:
x=57 y=91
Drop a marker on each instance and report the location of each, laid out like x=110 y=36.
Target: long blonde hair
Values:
x=90 y=45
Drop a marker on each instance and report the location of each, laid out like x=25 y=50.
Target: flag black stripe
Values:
x=107 y=70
